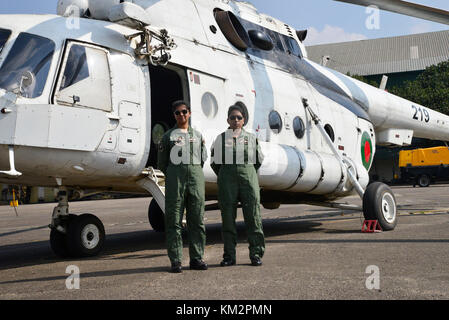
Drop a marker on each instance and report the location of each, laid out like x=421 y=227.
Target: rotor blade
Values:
x=407 y=8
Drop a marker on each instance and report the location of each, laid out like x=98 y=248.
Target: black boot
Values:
x=227 y=262
x=256 y=262
x=198 y=265
x=176 y=267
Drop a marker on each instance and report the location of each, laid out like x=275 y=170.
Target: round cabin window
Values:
x=298 y=127
x=330 y=132
x=209 y=105
x=275 y=121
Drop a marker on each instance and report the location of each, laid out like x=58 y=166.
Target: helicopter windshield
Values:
x=26 y=67
x=4 y=35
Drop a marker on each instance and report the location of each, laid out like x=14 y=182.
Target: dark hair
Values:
x=179 y=103
x=237 y=108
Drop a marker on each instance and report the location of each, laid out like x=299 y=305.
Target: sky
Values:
x=326 y=20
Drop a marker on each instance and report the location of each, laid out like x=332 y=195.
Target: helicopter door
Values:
x=167 y=86
x=207 y=103
x=83 y=97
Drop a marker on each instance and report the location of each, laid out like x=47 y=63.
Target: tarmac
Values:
x=312 y=253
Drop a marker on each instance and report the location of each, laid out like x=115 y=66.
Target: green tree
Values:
x=430 y=89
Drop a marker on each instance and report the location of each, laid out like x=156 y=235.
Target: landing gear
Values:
x=156 y=217
x=58 y=241
x=85 y=236
x=379 y=204
x=72 y=235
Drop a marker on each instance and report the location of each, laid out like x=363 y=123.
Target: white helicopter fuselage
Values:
x=96 y=133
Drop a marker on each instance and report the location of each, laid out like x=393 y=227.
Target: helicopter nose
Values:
x=5 y=110
x=8 y=116
x=7 y=102
x=12 y=169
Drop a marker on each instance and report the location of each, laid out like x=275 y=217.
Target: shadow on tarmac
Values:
x=40 y=253
x=22 y=231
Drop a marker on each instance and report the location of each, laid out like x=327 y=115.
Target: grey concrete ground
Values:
x=311 y=253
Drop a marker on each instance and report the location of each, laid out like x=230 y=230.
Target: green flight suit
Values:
x=236 y=168
x=181 y=158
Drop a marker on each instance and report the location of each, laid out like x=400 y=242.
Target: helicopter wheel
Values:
x=379 y=203
x=58 y=240
x=85 y=236
x=58 y=243
x=156 y=217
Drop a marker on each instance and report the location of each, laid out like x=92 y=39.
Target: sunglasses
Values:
x=239 y=118
x=183 y=111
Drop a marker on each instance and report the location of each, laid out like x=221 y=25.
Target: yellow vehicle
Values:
x=424 y=166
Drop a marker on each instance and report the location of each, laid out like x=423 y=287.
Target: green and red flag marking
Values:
x=366 y=150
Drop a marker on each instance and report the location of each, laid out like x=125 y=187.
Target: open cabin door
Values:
x=168 y=84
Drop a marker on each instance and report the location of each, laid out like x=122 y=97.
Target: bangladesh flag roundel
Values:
x=366 y=150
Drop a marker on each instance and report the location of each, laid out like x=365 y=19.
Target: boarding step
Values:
x=154 y=183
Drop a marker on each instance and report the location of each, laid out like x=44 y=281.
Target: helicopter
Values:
x=85 y=98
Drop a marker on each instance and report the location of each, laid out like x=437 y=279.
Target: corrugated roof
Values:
x=386 y=55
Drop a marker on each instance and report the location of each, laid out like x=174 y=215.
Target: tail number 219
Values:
x=421 y=114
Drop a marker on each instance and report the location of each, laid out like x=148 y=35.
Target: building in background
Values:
x=400 y=58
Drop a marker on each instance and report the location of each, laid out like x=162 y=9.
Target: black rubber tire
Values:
x=156 y=217
x=74 y=236
x=372 y=205
x=58 y=242
x=424 y=180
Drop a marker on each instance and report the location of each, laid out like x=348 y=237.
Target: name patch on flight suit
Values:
x=179 y=141
x=243 y=140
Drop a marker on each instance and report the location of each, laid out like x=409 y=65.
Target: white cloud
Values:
x=331 y=34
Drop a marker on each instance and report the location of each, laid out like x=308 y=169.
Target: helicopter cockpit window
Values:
x=4 y=35
x=26 y=67
x=276 y=38
x=76 y=68
x=292 y=46
x=85 y=81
